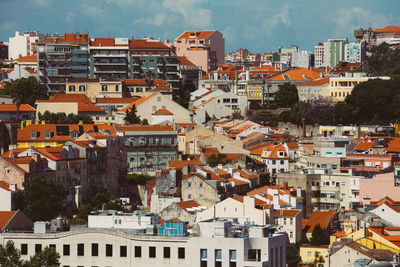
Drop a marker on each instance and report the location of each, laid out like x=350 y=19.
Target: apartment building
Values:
x=219 y=243
x=303 y=59
x=334 y=51
x=95 y=87
x=355 y=52
x=63 y=57
x=319 y=55
x=203 y=48
x=21 y=45
x=149 y=148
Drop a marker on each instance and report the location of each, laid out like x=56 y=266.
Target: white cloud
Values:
x=69 y=17
x=94 y=12
x=349 y=19
x=283 y=17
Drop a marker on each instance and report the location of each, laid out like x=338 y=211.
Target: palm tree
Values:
x=149 y=79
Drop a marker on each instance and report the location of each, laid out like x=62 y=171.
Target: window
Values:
x=138 y=252
x=109 y=252
x=66 y=250
x=273 y=162
x=104 y=88
x=116 y=88
x=254 y=254
x=24 y=249
x=33 y=134
x=282 y=162
x=123 y=251
x=38 y=248
x=189 y=184
x=291 y=221
x=152 y=252
x=309 y=253
x=203 y=257
x=232 y=258
x=181 y=253
x=47 y=134
x=72 y=88
x=81 y=249
x=95 y=250
x=167 y=252
x=82 y=88
x=334 y=166
x=218 y=258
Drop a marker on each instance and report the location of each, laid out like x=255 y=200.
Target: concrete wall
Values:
x=174 y=211
x=66 y=107
x=200 y=191
x=159 y=203
x=297 y=131
x=388 y=214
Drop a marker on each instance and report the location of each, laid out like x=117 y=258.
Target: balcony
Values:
x=109 y=55
x=79 y=59
x=110 y=63
x=110 y=71
x=79 y=67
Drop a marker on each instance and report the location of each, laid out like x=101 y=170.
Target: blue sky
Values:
x=259 y=25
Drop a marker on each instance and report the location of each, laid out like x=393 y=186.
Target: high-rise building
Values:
x=319 y=53
x=302 y=59
x=355 y=52
x=288 y=49
x=334 y=51
x=64 y=57
x=203 y=48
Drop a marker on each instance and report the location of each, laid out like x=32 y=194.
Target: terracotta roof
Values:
x=343 y=67
x=4 y=185
x=388 y=29
x=116 y=99
x=379 y=254
x=163 y=112
x=195 y=35
x=26 y=59
x=105 y=42
x=2 y=85
x=56 y=131
x=138 y=102
x=319 y=217
x=13 y=108
x=143 y=43
x=237 y=181
x=296 y=74
x=152 y=128
x=286 y=213
x=178 y=164
x=388 y=143
x=316 y=82
x=84 y=103
x=187 y=205
x=31 y=71
x=238 y=198
x=183 y=61
x=292 y=145
x=68 y=38
x=5 y=217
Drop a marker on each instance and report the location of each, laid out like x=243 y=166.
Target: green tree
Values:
x=48 y=257
x=319 y=236
x=149 y=77
x=286 y=96
x=266 y=117
x=216 y=159
x=25 y=91
x=43 y=199
x=384 y=60
x=144 y=122
x=10 y=255
x=61 y=117
x=182 y=95
x=131 y=117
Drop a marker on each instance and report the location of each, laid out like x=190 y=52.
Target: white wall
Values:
x=18 y=46
x=5 y=200
x=388 y=214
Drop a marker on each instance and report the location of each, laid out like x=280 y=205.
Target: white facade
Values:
x=290 y=222
x=6 y=197
x=120 y=249
x=157 y=203
x=310 y=92
x=388 y=214
x=319 y=55
x=301 y=59
x=121 y=221
x=18 y=46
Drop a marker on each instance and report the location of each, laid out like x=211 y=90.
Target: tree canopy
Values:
x=216 y=159
x=131 y=117
x=61 y=117
x=384 y=60
x=318 y=236
x=43 y=199
x=287 y=95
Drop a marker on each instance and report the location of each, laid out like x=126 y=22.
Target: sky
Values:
x=258 y=25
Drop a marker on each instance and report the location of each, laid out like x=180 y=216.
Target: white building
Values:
x=7 y=196
x=237 y=245
x=21 y=45
x=276 y=158
x=112 y=219
x=319 y=53
x=355 y=52
x=303 y=59
x=289 y=221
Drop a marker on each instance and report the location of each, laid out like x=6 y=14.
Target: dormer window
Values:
x=74 y=134
x=72 y=88
x=281 y=154
x=82 y=88
x=33 y=134
x=47 y=134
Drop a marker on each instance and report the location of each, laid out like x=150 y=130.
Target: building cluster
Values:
x=221 y=190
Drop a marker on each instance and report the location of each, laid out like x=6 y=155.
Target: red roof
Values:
x=319 y=217
x=5 y=185
x=286 y=213
x=105 y=42
x=13 y=108
x=143 y=82
x=68 y=38
x=151 y=128
x=84 y=103
x=138 y=102
x=195 y=35
x=2 y=85
x=163 y=111
x=188 y=205
x=296 y=74
x=5 y=217
x=144 y=43
x=388 y=29
x=178 y=164
x=26 y=59
x=316 y=82
x=183 y=61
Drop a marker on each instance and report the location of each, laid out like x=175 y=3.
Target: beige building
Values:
x=313 y=89
x=151 y=103
x=205 y=192
x=94 y=87
x=139 y=87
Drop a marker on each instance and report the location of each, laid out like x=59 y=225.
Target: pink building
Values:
x=379 y=186
x=204 y=48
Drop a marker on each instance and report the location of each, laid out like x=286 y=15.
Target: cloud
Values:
x=94 y=12
x=193 y=14
x=69 y=18
x=347 y=20
x=282 y=17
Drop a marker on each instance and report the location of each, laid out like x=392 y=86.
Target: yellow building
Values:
x=313 y=254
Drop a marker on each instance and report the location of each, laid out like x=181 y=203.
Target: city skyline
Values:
x=259 y=26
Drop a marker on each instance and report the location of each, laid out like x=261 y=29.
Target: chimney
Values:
x=304 y=128
x=13 y=187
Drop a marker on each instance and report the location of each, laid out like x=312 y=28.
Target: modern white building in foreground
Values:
x=219 y=243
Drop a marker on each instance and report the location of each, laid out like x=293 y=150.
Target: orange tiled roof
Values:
x=296 y=74
x=68 y=38
x=163 y=111
x=275 y=149
x=286 y=213
x=116 y=99
x=393 y=143
x=4 y=185
x=138 y=102
x=13 y=108
x=319 y=217
x=388 y=29
x=188 y=205
x=84 y=103
x=238 y=198
x=237 y=181
x=105 y=42
x=5 y=217
x=183 y=61
x=197 y=35
x=316 y=82
x=178 y=164
x=143 y=43
x=26 y=59
x=2 y=85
